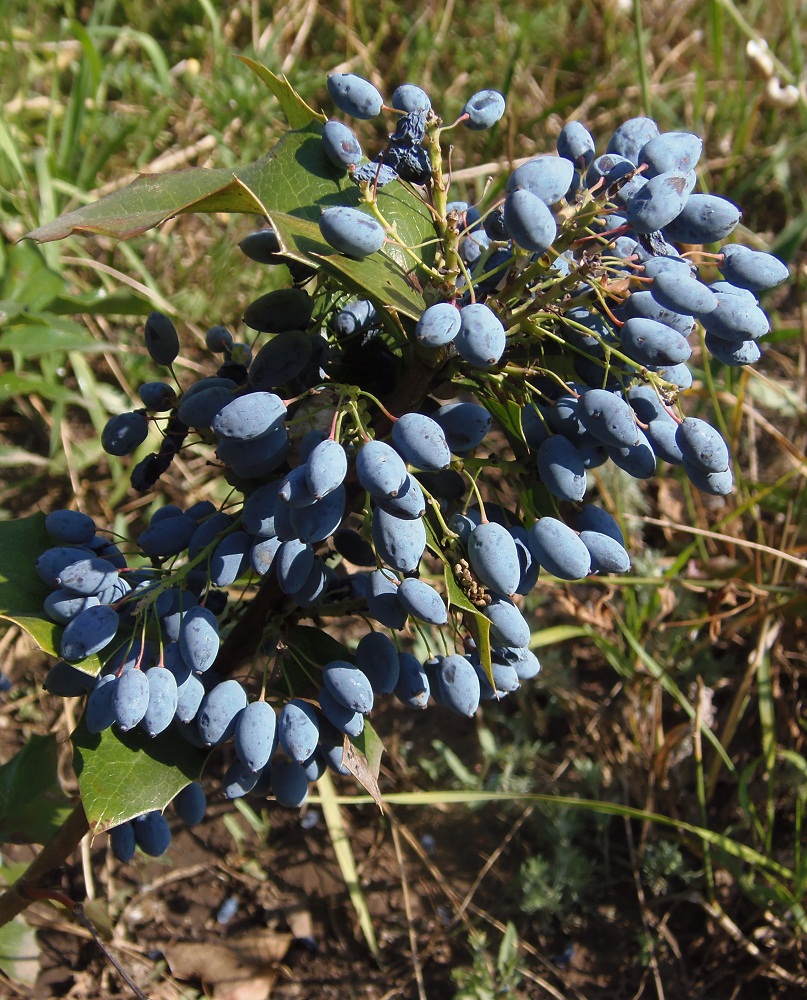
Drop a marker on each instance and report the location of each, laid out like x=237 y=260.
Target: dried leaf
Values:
x=300 y=921
x=237 y=969
x=357 y=764
x=256 y=988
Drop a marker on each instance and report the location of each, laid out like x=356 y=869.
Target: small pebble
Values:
x=227 y=910
x=310 y=820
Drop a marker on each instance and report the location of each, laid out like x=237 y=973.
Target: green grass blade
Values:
x=767 y=722
x=149 y=45
x=660 y=674
x=724 y=843
x=9 y=149
x=340 y=839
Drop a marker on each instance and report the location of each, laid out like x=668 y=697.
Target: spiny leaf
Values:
x=148 y=201
x=294 y=176
x=376 y=277
x=290 y=185
x=121 y=776
x=371 y=746
x=21 y=590
x=476 y=623
x=297 y=112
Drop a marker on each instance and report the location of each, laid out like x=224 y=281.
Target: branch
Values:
x=52 y=856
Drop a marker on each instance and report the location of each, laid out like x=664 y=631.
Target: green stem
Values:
x=652 y=377
x=449 y=238
x=378 y=403
x=435 y=506
x=392 y=234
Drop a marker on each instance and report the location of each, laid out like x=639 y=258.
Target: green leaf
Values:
x=412 y=219
x=479 y=627
x=477 y=624
x=19 y=952
x=150 y=200
x=32 y=806
x=33 y=337
x=121 y=776
x=297 y=112
x=291 y=184
x=295 y=177
x=9 y=309
x=507 y=958
x=377 y=277
x=8 y=147
x=21 y=590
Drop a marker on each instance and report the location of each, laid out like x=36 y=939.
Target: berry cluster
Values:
x=557 y=325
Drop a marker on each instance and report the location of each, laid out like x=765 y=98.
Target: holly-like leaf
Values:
x=407 y=211
x=479 y=627
x=32 y=805
x=21 y=590
x=295 y=177
x=121 y=776
x=19 y=952
x=377 y=277
x=476 y=623
x=290 y=185
x=149 y=200
x=297 y=112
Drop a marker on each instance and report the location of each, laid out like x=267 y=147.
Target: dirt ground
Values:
x=429 y=876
